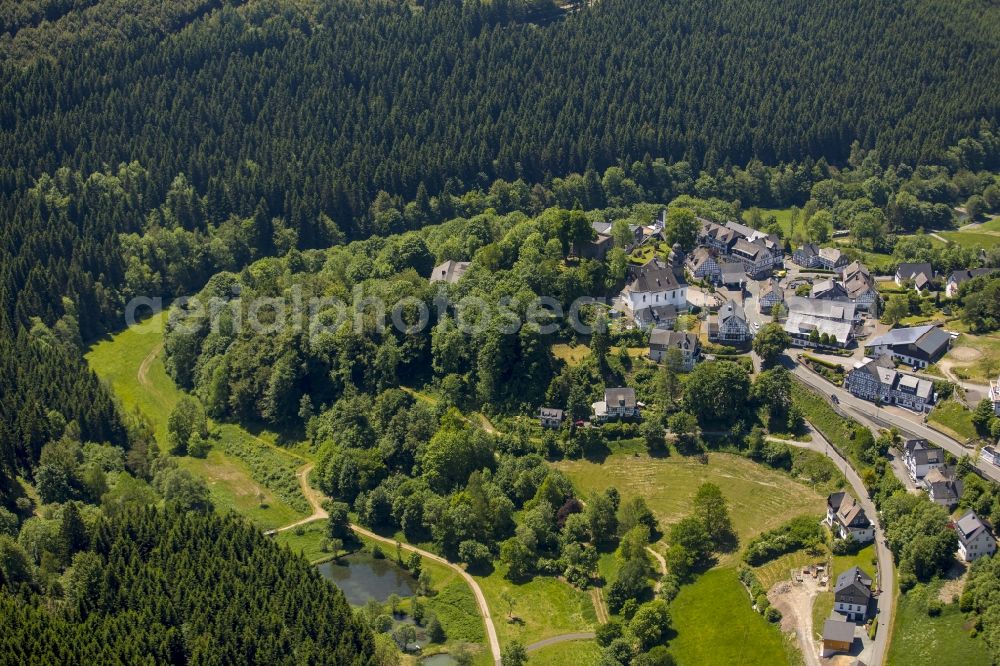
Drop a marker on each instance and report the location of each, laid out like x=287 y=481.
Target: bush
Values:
x=377 y=552
x=934 y=608
x=772 y=614
x=797 y=533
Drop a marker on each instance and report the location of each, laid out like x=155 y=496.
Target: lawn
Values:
x=973 y=239
x=572 y=653
x=863 y=558
x=543 y=607
x=921 y=640
x=131 y=362
x=716 y=625
x=818 y=412
x=759 y=498
x=981 y=353
x=306 y=544
x=953 y=418
x=783 y=215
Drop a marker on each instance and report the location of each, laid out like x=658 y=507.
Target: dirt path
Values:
x=662 y=563
x=315 y=500
x=795 y=603
x=564 y=638
x=142 y=375
x=600 y=609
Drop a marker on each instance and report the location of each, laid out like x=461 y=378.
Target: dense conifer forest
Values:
x=146 y=147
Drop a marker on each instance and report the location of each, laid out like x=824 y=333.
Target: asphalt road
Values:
x=886 y=601
x=868 y=413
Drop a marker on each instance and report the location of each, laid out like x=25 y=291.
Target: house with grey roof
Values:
x=846 y=517
x=829 y=289
x=618 y=403
x=858 y=287
x=733 y=274
x=920 y=275
x=831 y=258
x=662 y=340
x=919 y=458
x=757 y=260
x=916 y=346
x=877 y=381
x=806 y=256
x=450 y=271
x=656 y=316
x=770 y=294
x=730 y=326
x=824 y=309
x=550 y=417
x=852 y=594
x=806 y=330
x=943 y=486
x=957 y=278
x=974 y=538
x=994 y=395
x=989 y=454
x=703 y=264
x=655 y=285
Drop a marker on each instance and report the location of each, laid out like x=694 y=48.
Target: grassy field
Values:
x=543 y=607
x=976 y=357
x=137 y=377
x=973 y=239
x=783 y=215
x=780 y=569
x=308 y=543
x=817 y=411
x=954 y=419
x=573 y=653
x=921 y=640
x=759 y=498
x=715 y=624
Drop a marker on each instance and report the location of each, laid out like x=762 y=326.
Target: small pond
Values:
x=442 y=659
x=362 y=577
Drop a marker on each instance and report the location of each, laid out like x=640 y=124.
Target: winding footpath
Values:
x=315 y=500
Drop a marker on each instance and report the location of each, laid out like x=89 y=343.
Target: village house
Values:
x=618 y=403
x=916 y=346
x=596 y=249
x=846 y=518
x=654 y=285
x=550 y=418
x=956 y=279
x=919 y=274
x=807 y=256
x=733 y=274
x=974 y=539
x=876 y=381
x=730 y=325
x=771 y=294
x=860 y=287
x=450 y=271
x=661 y=340
x=989 y=454
x=757 y=260
x=833 y=310
x=831 y=258
x=943 y=486
x=920 y=457
x=657 y=316
x=744 y=231
x=829 y=290
x=703 y=265
x=838 y=636
x=852 y=594
x=716 y=236
x=807 y=330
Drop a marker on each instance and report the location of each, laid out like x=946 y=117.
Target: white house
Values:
x=995 y=395
x=652 y=286
x=810 y=331
x=757 y=260
x=860 y=286
x=920 y=274
x=807 y=256
x=771 y=294
x=845 y=516
x=920 y=457
x=875 y=380
x=549 y=417
x=956 y=279
x=832 y=258
x=974 y=539
x=618 y=403
x=703 y=265
x=852 y=594
x=989 y=454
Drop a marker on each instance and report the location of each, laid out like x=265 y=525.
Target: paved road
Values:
x=887 y=600
x=579 y=636
x=867 y=413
